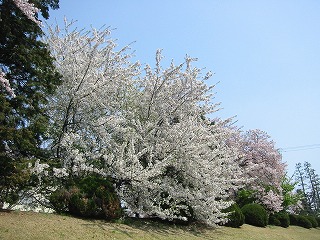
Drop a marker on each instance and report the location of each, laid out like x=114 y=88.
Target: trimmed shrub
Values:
x=303 y=222
x=280 y=219
x=318 y=220
x=59 y=200
x=312 y=220
x=236 y=217
x=273 y=220
x=284 y=219
x=293 y=219
x=91 y=196
x=255 y=215
x=300 y=220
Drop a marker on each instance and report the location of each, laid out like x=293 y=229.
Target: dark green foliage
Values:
x=284 y=219
x=29 y=68
x=91 y=196
x=236 y=217
x=59 y=200
x=309 y=188
x=273 y=220
x=293 y=219
x=255 y=215
x=299 y=220
x=289 y=199
x=318 y=220
x=303 y=222
x=279 y=219
x=14 y=178
x=244 y=197
x=312 y=220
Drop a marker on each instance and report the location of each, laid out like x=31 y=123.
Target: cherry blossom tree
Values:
x=179 y=164
x=96 y=80
x=147 y=130
x=261 y=161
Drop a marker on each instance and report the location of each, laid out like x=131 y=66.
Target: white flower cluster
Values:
x=6 y=84
x=147 y=131
x=60 y=172
x=40 y=168
x=28 y=9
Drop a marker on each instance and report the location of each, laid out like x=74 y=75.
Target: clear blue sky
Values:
x=265 y=54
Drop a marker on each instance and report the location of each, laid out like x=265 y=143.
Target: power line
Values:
x=300 y=148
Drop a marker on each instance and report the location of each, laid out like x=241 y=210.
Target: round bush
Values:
x=318 y=220
x=281 y=219
x=303 y=222
x=313 y=221
x=293 y=219
x=273 y=220
x=91 y=196
x=59 y=200
x=255 y=215
x=236 y=217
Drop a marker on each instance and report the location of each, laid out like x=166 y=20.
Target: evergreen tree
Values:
x=314 y=187
x=300 y=178
x=309 y=182
x=27 y=64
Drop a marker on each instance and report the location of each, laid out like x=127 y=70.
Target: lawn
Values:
x=29 y=225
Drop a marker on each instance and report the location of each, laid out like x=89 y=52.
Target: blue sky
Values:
x=265 y=55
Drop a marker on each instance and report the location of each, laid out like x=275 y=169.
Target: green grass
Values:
x=29 y=225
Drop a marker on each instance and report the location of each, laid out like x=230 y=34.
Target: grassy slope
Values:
x=28 y=225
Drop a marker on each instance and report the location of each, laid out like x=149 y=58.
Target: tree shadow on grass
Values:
x=127 y=226
x=155 y=225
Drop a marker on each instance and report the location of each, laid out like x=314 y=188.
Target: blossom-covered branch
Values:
x=6 y=84
x=28 y=9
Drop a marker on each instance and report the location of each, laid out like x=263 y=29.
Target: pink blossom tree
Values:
x=262 y=163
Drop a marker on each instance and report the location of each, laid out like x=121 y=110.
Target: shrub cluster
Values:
x=91 y=196
x=273 y=220
x=299 y=220
x=279 y=219
x=255 y=215
x=312 y=220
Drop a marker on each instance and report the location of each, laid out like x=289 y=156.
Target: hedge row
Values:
x=305 y=221
x=255 y=214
